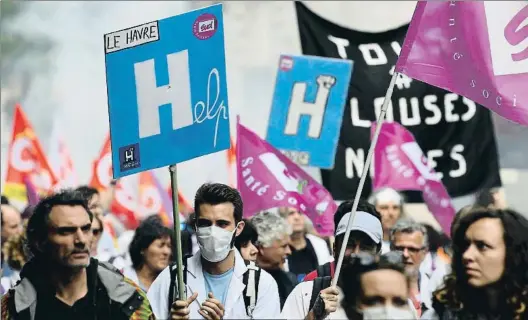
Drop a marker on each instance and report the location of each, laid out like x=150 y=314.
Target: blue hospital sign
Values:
x=167 y=91
x=307 y=109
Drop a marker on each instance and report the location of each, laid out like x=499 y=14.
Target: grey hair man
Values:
x=273 y=248
x=273 y=239
x=410 y=238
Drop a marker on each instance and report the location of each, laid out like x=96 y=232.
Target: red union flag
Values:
x=400 y=164
x=478 y=49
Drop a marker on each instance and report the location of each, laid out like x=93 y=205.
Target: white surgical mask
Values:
x=214 y=242
x=387 y=312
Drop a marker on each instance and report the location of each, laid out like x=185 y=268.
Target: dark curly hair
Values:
x=151 y=229
x=457 y=295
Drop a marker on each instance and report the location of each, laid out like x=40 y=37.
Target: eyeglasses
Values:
x=412 y=250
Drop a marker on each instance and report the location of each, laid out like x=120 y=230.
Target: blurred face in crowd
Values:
x=95 y=205
x=70 y=236
x=97 y=230
x=383 y=288
x=249 y=251
x=484 y=252
x=11 y=222
x=295 y=219
x=157 y=255
x=390 y=212
x=411 y=245
x=276 y=254
x=357 y=242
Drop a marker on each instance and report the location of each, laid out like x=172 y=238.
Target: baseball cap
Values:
x=364 y=222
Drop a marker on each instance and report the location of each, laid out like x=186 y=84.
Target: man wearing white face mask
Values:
x=217 y=275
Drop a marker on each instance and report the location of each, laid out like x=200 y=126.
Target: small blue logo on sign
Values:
x=129 y=157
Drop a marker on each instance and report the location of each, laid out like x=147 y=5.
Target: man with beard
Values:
x=67 y=283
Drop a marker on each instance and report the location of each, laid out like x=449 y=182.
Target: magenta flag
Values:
x=267 y=179
x=474 y=48
x=400 y=164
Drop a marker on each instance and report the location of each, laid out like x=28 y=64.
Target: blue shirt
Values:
x=218 y=284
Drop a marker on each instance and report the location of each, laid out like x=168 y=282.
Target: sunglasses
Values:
x=367 y=260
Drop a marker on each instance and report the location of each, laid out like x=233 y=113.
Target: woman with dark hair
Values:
x=246 y=242
x=150 y=251
x=489 y=277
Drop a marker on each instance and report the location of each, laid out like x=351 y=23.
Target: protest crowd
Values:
x=273 y=243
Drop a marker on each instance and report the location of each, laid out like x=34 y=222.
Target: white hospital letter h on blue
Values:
x=150 y=97
x=315 y=110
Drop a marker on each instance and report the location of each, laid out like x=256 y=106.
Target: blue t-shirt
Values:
x=218 y=284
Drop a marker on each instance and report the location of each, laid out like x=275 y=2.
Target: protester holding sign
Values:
x=215 y=274
x=366 y=236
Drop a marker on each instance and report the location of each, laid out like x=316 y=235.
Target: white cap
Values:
x=364 y=222
x=387 y=195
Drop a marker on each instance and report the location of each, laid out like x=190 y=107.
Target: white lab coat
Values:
x=298 y=303
x=431 y=279
x=321 y=251
x=267 y=306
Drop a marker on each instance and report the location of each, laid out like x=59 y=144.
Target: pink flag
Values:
x=474 y=48
x=31 y=192
x=400 y=164
x=268 y=179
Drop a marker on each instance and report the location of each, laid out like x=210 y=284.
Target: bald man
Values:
x=11 y=221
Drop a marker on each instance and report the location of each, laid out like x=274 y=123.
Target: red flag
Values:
x=474 y=48
x=231 y=163
x=26 y=158
x=125 y=204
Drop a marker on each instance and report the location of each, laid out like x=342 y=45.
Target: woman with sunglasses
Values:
x=489 y=277
x=376 y=288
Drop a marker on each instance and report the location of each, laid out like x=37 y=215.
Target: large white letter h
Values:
x=150 y=97
x=315 y=110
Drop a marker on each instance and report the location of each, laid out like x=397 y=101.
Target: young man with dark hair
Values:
x=67 y=283
x=217 y=275
x=314 y=298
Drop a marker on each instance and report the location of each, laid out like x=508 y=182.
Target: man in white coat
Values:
x=215 y=274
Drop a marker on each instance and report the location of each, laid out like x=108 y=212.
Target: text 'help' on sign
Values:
x=159 y=114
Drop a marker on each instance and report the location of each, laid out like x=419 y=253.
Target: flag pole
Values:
x=177 y=233
x=364 y=174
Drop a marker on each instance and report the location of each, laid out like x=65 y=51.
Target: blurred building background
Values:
x=55 y=68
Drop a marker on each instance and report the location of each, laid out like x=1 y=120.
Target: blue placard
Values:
x=167 y=91
x=307 y=110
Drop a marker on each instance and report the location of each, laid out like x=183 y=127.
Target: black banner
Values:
x=455 y=134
